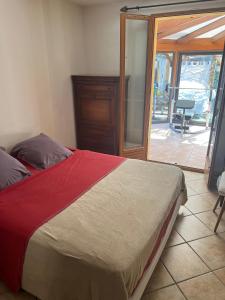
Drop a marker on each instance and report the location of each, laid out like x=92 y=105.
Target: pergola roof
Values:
x=207 y=31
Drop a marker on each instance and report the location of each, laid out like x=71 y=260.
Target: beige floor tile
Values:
x=160 y=278
x=221 y=235
x=168 y=293
x=182 y=262
x=209 y=218
x=200 y=203
x=175 y=239
x=220 y=274
x=190 y=191
x=189 y=176
x=205 y=287
x=211 y=195
x=212 y=251
x=183 y=211
x=199 y=186
x=190 y=228
x=18 y=296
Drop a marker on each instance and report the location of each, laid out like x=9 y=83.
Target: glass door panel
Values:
x=135 y=71
x=198 y=81
x=136 y=61
x=162 y=87
x=216 y=147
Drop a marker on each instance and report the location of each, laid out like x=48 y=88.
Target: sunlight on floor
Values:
x=169 y=146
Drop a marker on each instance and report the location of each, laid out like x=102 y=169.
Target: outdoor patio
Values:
x=169 y=146
x=187 y=70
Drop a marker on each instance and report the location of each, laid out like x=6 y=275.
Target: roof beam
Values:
x=195 y=45
x=219 y=36
x=187 y=23
x=202 y=30
x=173 y=23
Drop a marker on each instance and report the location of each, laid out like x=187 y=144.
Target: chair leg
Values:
x=220 y=215
x=219 y=200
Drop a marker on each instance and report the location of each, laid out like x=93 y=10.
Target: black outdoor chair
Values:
x=182 y=118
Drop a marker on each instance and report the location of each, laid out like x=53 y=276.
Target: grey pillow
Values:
x=40 y=151
x=11 y=170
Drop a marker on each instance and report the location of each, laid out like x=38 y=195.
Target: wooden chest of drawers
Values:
x=96 y=103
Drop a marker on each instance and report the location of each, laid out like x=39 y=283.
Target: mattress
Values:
x=99 y=246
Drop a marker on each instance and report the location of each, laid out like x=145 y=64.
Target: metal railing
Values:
x=173 y=94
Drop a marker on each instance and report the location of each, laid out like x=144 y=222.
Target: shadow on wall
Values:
x=9 y=140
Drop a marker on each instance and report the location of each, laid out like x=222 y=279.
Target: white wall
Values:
x=41 y=45
x=102 y=37
x=24 y=87
x=65 y=50
x=43 y=42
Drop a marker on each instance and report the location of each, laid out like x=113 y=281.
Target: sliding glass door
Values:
x=135 y=74
x=216 y=147
x=198 y=81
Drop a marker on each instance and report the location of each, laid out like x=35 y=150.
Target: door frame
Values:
x=142 y=152
x=181 y=14
x=136 y=152
x=210 y=162
x=217 y=96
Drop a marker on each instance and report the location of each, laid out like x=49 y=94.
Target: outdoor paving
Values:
x=169 y=146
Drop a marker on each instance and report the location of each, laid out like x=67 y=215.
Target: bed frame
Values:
x=148 y=273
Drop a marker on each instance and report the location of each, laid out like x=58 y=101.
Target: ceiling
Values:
x=192 y=28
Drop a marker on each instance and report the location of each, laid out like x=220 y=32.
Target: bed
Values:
x=105 y=242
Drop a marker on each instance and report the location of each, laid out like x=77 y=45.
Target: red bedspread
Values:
x=25 y=206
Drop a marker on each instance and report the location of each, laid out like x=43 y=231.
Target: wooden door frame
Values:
x=142 y=152
x=157 y=17
x=136 y=152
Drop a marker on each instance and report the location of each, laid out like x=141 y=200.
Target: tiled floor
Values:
x=171 y=147
x=192 y=266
